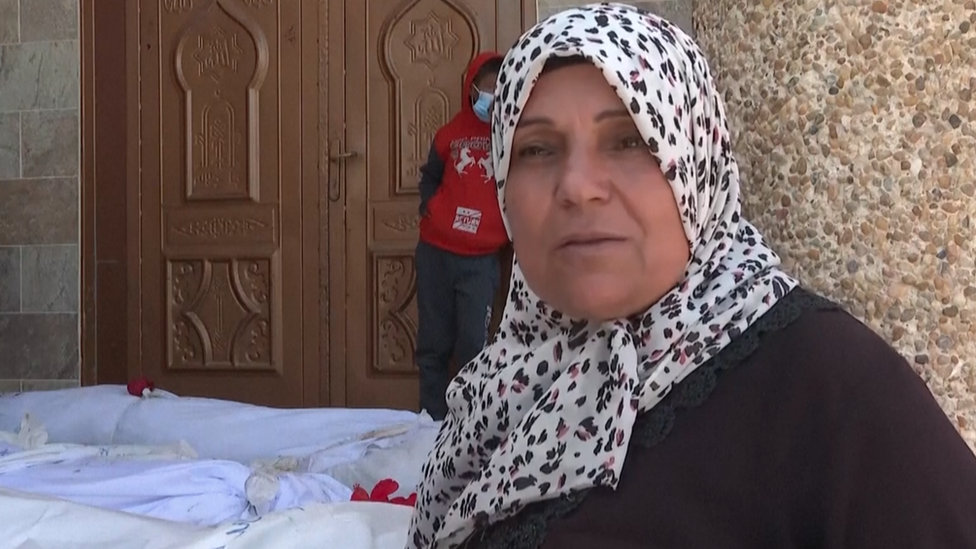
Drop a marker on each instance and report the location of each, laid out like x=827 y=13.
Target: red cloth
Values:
x=382 y=492
x=140 y=384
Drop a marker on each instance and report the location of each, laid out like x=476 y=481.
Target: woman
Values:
x=658 y=381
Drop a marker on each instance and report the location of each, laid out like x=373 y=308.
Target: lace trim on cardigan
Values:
x=527 y=530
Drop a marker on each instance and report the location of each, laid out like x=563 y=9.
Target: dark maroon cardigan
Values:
x=807 y=431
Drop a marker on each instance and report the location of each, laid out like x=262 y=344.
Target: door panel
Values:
x=402 y=82
x=221 y=239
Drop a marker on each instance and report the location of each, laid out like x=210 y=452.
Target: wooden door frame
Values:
x=108 y=52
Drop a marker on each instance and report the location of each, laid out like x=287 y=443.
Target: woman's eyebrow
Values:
x=601 y=116
x=612 y=113
x=528 y=121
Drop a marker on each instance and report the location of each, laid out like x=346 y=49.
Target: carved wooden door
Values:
x=403 y=69
x=226 y=292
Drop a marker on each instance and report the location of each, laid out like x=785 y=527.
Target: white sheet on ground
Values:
x=35 y=522
x=162 y=482
x=241 y=432
x=30 y=435
x=86 y=415
x=403 y=463
x=217 y=429
x=260 y=459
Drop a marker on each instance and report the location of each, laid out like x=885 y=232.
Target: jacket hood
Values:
x=471 y=72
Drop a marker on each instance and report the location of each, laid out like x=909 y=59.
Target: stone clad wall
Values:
x=39 y=208
x=855 y=128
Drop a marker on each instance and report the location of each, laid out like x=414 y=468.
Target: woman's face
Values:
x=595 y=225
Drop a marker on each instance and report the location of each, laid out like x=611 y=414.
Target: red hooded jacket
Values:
x=458 y=198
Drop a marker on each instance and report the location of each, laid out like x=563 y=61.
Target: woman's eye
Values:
x=631 y=142
x=532 y=150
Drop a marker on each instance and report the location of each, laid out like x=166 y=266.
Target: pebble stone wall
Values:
x=855 y=128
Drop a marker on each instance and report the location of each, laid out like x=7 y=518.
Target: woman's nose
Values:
x=583 y=181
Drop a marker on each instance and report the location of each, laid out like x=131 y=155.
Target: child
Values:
x=461 y=233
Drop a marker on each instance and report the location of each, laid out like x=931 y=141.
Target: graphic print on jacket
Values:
x=458 y=201
x=471 y=157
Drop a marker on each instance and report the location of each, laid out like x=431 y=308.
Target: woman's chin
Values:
x=599 y=298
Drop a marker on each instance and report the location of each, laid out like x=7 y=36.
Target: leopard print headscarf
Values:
x=549 y=406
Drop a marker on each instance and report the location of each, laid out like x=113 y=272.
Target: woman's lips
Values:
x=589 y=237
x=590 y=244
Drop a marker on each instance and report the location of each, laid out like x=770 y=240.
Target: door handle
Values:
x=338 y=157
x=336 y=171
